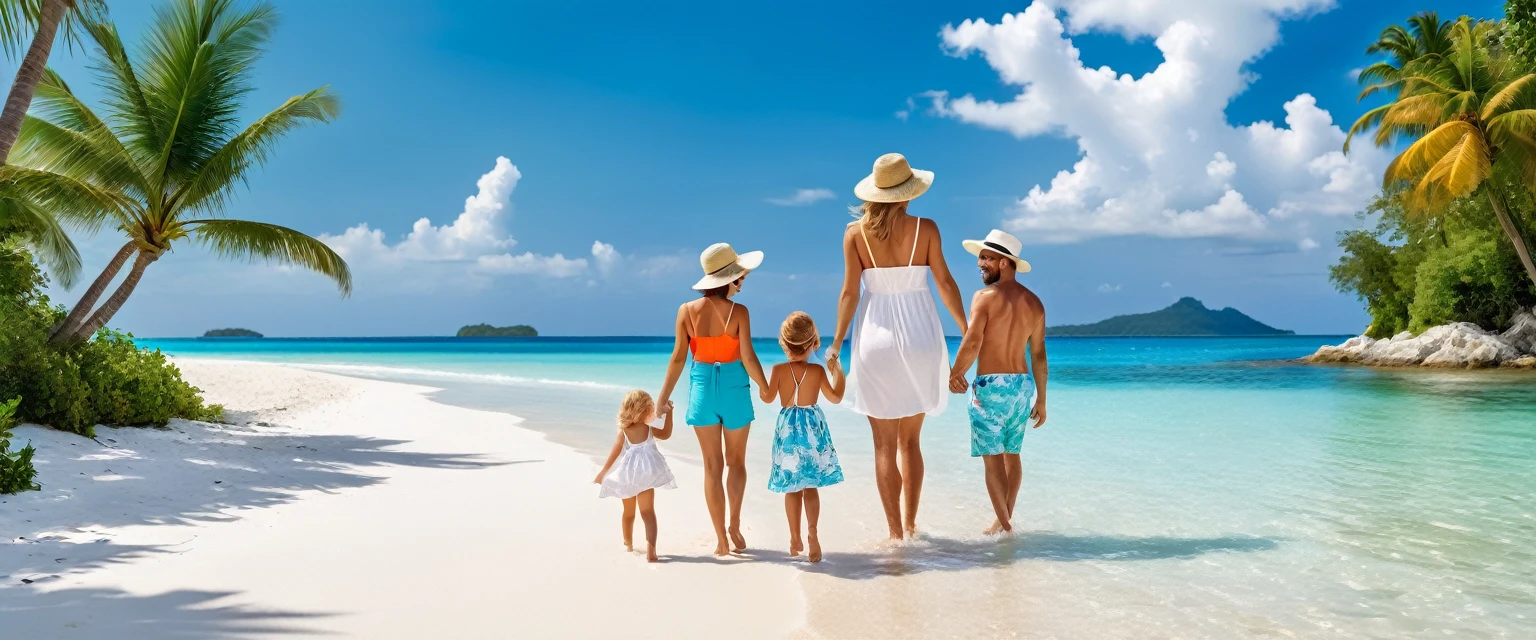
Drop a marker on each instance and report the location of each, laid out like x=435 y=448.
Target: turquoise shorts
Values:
x=719 y=394
x=999 y=409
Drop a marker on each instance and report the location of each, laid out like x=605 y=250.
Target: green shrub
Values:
x=107 y=380
x=16 y=470
x=1414 y=272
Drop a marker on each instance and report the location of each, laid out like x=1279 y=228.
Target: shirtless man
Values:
x=1005 y=319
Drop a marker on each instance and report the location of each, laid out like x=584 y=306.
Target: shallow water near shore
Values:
x=1181 y=487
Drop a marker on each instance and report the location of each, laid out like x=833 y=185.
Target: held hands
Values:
x=663 y=408
x=957 y=383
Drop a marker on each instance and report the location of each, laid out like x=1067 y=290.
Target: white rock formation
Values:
x=1458 y=345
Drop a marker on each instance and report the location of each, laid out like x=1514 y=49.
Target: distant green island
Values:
x=231 y=333
x=1187 y=317
x=488 y=331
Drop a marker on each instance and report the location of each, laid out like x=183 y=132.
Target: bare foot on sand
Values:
x=650 y=555
x=815 y=551
x=722 y=549
x=629 y=546
x=911 y=531
x=739 y=541
x=997 y=527
x=795 y=547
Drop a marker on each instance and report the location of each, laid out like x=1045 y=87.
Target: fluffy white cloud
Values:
x=605 y=256
x=1158 y=155
x=477 y=237
x=1108 y=288
x=804 y=197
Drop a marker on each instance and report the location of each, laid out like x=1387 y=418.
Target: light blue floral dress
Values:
x=803 y=456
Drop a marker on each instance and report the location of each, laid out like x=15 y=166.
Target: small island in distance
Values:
x=231 y=333
x=1187 y=317
x=488 y=331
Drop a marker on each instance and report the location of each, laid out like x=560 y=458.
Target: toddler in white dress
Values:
x=636 y=468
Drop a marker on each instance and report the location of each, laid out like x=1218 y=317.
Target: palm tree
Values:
x=37 y=22
x=17 y=19
x=1423 y=42
x=165 y=162
x=1474 y=116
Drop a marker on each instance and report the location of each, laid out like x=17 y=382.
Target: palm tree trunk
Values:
x=110 y=307
x=1501 y=211
x=87 y=301
x=27 y=77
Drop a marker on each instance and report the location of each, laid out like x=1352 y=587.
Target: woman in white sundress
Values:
x=900 y=365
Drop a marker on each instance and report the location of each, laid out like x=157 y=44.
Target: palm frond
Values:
x=1427 y=151
x=125 y=99
x=261 y=241
x=68 y=137
x=49 y=241
x=210 y=188
x=1370 y=120
x=1514 y=95
x=1425 y=110
x=75 y=201
x=19 y=18
x=197 y=67
x=1462 y=168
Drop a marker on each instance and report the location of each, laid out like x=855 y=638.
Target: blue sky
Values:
x=656 y=129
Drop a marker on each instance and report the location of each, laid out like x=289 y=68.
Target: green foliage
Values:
x=488 y=331
x=76 y=386
x=16 y=470
x=1520 y=30
x=1414 y=273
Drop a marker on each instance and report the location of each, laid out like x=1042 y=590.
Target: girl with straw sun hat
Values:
x=900 y=365
x=717 y=331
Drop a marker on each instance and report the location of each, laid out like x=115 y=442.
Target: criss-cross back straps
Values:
x=915 y=235
x=724 y=324
x=795 y=399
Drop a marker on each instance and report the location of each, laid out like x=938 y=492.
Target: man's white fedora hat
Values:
x=1001 y=243
x=893 y=180
x=722 y=266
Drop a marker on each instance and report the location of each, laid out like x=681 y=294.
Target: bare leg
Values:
x=997 y=490
x=736 y=480
x=812 y=514
x=714 y=489
x=627 y=523
x=909 y=430
x=792 y=511
x=1015 y=479
x=647 y=501
x=887 y=473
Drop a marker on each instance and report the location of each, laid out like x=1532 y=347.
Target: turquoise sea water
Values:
x=1181 y=487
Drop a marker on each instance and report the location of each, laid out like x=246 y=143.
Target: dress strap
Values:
x=728 y=318
x=795 y=400
x=868 y=250
x=915 y=236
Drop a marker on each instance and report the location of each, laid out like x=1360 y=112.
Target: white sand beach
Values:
x=337 y=506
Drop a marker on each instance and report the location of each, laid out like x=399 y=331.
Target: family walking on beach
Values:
x=900 y=372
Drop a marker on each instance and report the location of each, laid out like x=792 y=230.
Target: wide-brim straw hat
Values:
x=1001 y=243
x=893 y=180
x=723 y=266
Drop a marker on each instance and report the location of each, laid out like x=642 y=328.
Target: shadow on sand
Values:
x=108 y=613
x=944 y=554
x=190 y=472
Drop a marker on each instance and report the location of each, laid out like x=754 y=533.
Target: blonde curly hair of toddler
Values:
x=636 y=408
x=798 y=334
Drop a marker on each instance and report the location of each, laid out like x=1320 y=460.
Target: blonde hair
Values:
x=798 y=334
x=876 y=217
x=636 y=408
